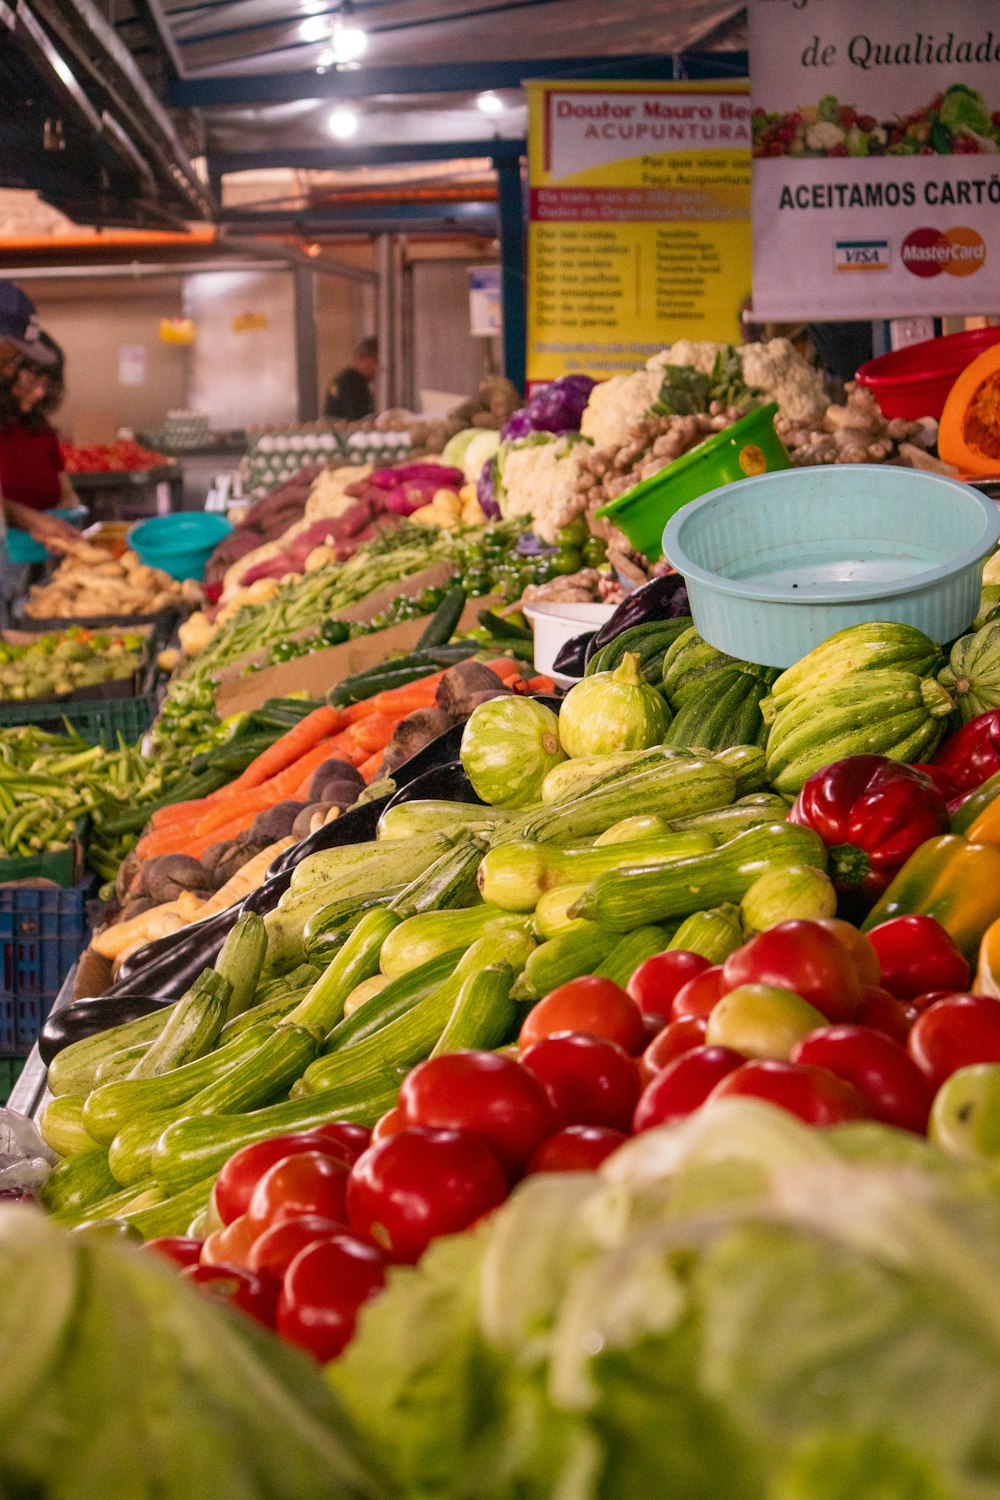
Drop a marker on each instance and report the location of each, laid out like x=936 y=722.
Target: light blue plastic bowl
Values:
x=774 y=565
x=179 y=544
x=22 y=547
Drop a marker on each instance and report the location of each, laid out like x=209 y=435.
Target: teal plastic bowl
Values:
x=775 y=564
x=22 y=548
x=179 y=544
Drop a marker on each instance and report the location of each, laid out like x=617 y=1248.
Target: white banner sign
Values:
x=876 y=170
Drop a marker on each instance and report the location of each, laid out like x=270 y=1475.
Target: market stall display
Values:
x=92 y=583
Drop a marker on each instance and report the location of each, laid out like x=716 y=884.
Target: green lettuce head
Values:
x=963 y=109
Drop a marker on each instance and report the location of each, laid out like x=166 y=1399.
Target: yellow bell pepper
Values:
x=951 y=879
x=985 y=828
x=987 y=981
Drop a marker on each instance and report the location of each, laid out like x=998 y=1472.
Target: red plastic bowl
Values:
x=915 y=381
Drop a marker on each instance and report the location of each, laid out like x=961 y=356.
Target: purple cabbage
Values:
x=529 y=545
x=556 y=407
x=486 y=490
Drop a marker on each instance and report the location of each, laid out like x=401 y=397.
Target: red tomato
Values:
x=883 y=1012
x=856 y=944
x=174 y=1247
x=588 y=1081
x=494 y=1097
x=683 y=1085
x=931 y=997
x=231 y=1245
x=340 y=1139
x=273 y=1251
x=577 y=1148
x=235 y=1183
x=652 y=1025
x=816 y=1095
x=673 y=1041
x=596 y=1006
x=917 y=955
x=324 y=1289
x=419 y=1184
x=307 y=1183
x=655 y=982
x=233 y=1287
x=877 y=1066
x=806 y=957
x=699 y=996
x=388 y=1124
x=955 y=1032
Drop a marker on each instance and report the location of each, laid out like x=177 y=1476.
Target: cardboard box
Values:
x=317 y=673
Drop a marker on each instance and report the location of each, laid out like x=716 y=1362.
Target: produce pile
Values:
x=956 y=122
x=52 y=666
x=122 y=456
x=91 y=583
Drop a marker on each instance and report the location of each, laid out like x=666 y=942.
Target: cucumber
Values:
x=323 y=1006
x=515 y=876
x=714 y=933
x=623 y=899
x=62 y=1125
x=675 y=786
x=73 y=1070
x=426 y=815
x=110 y=1107
x=424 y=937
x=78 y=1181
x=442 y=623
x=190 y=1150
x=631 y=950
x=192 y=1027
x=561 y=959
x=241 y=960
x=484 y=1016
x=790 y=892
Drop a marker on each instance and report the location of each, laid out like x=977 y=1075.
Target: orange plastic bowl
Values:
x=914 y=382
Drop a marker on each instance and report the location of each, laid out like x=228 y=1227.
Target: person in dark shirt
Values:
x=349 y=395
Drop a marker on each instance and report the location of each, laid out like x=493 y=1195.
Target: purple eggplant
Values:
x=572 y=657
x=659 y=599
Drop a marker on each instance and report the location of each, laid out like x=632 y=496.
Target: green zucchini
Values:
x=173 y=1215
x=123 y=1200
x=423 y=937
x=354 y=868
x=714 y=933
x=110 y=1107
x=552 y=917
x=747 y=812
x=449 y=882
x=484 y=1016
x=425 y=815
x=323 y=1006
x=585 y=773
x=749 y=763
x=270 y=1011
x=241 y=960
x=72 y=1071
x=192 y=1027
x=394 y=999
x=130 y=1154
x=328 y=929
x=264 y=1076
x=631 y=950
x=649 y=642
x=641 y=826
x=119 y=1064
x=788 y=893
x=561 y=959
x=443 y=622
x=78 y=1181
x=676 y=786
x=62 y=1125
x=626 y=898
x=515 y=876
x=189 y=1150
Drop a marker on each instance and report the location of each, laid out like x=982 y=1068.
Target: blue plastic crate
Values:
x=42 y=934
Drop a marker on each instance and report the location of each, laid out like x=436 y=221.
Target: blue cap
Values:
x=19 y=325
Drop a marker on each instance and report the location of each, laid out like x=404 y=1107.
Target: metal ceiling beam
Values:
x=373 y=219
x=344 y=158
x=234 y=90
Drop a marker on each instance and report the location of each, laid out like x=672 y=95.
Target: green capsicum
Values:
x=952 y=880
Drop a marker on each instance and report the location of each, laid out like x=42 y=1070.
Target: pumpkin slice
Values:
x=969 y=432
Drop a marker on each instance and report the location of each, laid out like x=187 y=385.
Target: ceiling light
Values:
x=490 y=103
x=314 y=29
x=347 y=42
x=342 y=124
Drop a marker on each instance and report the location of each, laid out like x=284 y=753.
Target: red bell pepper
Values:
x=971 y=755
x=871 y=813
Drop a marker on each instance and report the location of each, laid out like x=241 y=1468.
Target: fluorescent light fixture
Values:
x=490 y=103
x=347 y=42
x=314 y=29
x=343 y=123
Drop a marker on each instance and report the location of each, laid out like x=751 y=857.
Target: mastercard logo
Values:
x=959 y=252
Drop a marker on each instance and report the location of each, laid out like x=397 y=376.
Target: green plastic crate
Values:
x=10 y=1071
x=99 y=721
x=61 y=866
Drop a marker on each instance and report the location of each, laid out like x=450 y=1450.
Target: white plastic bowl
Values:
x=555 y=624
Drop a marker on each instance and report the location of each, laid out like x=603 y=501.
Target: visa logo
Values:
x=861 y=255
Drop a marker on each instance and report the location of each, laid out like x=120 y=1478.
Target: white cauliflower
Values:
x=823 y=135
x=615 y=403
x=543 y=482
x=692 y=352
x=779 y=372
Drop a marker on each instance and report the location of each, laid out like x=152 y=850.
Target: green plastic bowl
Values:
x=750 y=447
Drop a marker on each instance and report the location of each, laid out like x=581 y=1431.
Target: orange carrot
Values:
x=356 y=711
x=505 y=667
x=375 y=732
x=371 y=767
x=319 y=725
x=539 y=684
x=256 y=799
